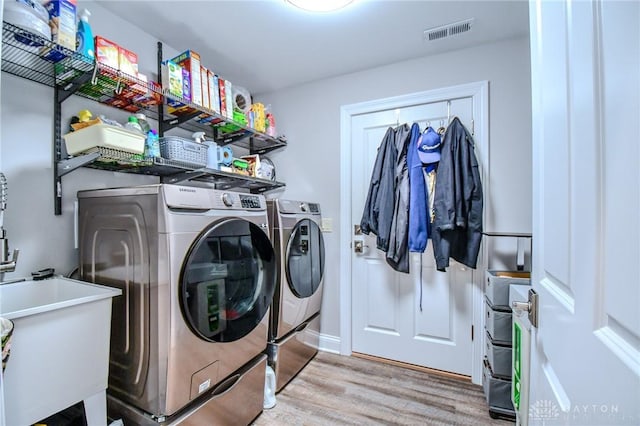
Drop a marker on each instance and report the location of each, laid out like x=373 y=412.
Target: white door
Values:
x=386 y=318
x=586 y=225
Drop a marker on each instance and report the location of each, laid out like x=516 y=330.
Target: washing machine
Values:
x=197 y=272
x=294 y=326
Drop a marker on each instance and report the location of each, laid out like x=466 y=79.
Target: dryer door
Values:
x=305 y=258
x=227 y=280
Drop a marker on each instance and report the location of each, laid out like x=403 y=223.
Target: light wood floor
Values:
x=340 y=390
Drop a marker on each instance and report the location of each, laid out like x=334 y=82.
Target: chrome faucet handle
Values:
x=14 y=256
x=10 y=264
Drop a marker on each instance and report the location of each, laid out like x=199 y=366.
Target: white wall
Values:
x=46 y=240
x=309 y=115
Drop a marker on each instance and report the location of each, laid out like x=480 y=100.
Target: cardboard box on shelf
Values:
x=205 y=87
x=127 y=62
x=186 y=85
x=175 y=80
x=151 y=96
x=190 y=61
x=228 y=90
x=136 y=88
x=223 y=96
x=214 y=92
x=106 y=52
x=62 y=20
x=172 y=79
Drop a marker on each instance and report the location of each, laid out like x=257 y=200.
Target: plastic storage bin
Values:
x=498 y=324
x=181 y=149
x=104 y=135
x=498 y=282
x=499 y=358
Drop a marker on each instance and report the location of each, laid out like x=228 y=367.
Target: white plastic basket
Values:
x=181 y=149
x=106 y=136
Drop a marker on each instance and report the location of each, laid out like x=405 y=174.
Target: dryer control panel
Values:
x=297 y=207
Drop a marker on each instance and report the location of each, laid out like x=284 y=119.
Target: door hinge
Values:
x=473 y=127
x=472 y=333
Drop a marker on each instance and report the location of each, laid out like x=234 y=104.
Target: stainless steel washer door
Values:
x=305 y=258
x=227 y=281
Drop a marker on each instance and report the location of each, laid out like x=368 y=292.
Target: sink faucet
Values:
x=6 y=264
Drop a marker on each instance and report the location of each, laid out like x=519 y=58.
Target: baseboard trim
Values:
x=329 y=344
x=413 y=367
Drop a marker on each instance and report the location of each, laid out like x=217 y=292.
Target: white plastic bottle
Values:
x=269 y=388
x=212 y=150
x=144 y=124
x=133 y=125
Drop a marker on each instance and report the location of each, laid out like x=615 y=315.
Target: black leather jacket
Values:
x=398 y=253
x=379 y=207
x=457 y=227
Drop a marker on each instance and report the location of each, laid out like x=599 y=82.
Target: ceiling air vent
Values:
x=448 y=30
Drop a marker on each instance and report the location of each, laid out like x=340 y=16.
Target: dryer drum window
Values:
x=305 y=258
x=227 y=280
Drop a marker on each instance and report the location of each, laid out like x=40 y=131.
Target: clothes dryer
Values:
x=294 y=326
x=197 y=271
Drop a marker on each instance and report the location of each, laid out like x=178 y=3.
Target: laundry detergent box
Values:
x=214 y=92
x=107 y=52
x=223 y=96
x=127 y=62
x=62 y=20
x=205 y=87
x=228 y=89
x=176 y=83
x=172 y=80
x=190 y=61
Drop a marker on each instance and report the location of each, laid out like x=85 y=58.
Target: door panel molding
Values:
x=479 y=92
x=586 y=95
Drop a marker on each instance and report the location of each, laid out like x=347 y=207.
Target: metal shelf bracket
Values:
x=69 y=165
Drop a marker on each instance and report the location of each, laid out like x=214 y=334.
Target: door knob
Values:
x=530 y=307
x=521 y=306
x=359 y=246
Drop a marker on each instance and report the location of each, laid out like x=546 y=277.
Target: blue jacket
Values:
x=419 y=222
x=457 y=227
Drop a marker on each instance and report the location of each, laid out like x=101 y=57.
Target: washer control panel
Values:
x=228 y=199
x=250 y=201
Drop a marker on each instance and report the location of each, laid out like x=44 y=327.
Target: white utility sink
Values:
x=60 y=348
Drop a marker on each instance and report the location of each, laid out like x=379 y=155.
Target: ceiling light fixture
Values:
x=320 y=5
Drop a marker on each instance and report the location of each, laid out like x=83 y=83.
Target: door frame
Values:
x=479 y=92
